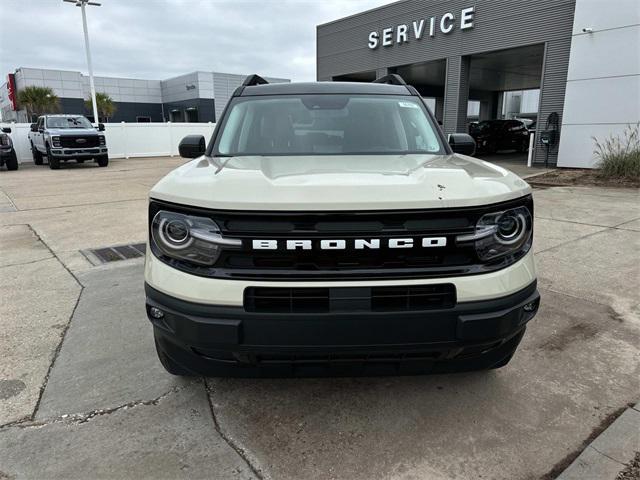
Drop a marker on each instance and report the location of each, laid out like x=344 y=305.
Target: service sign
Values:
x=423 y=27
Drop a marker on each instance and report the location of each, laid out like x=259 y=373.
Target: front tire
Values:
x=103 y=160
x=54 y=162
x=12 y=161
x=37 y=156
x=524 y=147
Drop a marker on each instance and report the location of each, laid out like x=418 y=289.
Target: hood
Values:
x=72 y=131
x=345 y=182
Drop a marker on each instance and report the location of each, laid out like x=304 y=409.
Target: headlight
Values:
x=501 y=233
x=185 y=237
x=102 y=140
x=55 y=141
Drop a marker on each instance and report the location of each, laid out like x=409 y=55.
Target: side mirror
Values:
x=101 y=127
x=462 y=143
x=192 y=146
x=6 y=130
x=34 y=127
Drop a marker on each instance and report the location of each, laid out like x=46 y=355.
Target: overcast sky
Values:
x=158 y=39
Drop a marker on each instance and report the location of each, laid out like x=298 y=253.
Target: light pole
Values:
x=82 y=4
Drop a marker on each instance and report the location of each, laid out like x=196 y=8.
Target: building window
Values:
x=473 y=108
x=519 y=102
x=143 y=119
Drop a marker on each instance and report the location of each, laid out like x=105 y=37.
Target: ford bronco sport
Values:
x=331 y=229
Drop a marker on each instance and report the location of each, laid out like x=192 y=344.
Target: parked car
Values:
x=8 y=155
x=329 y=228
x=67 y=137
x=494 y=135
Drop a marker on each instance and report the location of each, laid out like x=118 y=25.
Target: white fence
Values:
x=126 y=139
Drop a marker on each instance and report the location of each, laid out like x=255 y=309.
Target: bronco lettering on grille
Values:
x=357 y=244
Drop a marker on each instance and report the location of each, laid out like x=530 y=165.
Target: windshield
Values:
x=68 y=122
x=327 y=125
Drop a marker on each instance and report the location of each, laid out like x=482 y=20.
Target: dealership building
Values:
x=194 y=97
x=571 y=66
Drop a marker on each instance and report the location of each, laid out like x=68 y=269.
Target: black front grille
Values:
x=247 y=263
x=79 y=141
x=404 y=298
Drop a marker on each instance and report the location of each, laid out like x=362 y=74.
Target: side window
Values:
x=40 y=123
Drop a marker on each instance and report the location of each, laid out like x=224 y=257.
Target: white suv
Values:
x=330 y=229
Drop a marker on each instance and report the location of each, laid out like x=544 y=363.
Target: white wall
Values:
x=603 y=82
x=126 y=140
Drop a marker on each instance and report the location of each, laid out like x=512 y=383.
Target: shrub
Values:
x=619 y=156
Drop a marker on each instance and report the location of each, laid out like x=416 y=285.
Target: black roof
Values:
x=324 y=88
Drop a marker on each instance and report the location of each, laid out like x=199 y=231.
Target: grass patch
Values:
x=619 y=156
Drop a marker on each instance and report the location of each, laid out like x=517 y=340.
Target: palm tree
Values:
x=106 y=107
x=38 y=100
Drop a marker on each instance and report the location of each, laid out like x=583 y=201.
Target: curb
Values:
x=610 y=452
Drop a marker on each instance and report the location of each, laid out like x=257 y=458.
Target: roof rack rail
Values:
x=252 y=80
x=392 y=79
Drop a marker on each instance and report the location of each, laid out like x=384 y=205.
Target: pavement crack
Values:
x=237 y=448
x=576 y=297
x=53 y=254
x=27 y=263
x=574 y=239
x=83 y=204
x=605 y=455
x=66 y=327
x=79 y=418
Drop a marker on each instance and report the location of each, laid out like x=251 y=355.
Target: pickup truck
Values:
x=332 y=228
x=67 y=137
x=7 y=152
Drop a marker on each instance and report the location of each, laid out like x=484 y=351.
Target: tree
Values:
x=106 y=107
x=38 y=100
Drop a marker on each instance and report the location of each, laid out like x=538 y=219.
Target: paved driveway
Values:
x=83 y=396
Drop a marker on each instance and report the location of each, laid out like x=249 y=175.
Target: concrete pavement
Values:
x=108 y=410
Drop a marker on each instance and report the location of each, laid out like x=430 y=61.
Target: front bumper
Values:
x=227 y=340
x=79 y=153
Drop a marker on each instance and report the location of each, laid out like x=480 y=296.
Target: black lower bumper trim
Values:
x=225 y=341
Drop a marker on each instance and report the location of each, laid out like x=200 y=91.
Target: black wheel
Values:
x=12 y=161
x=54 y=162
x=490 y=148
x=80 y=161
x=169 y=365
x=103 y=160
x=524 y=146
x=37 y=156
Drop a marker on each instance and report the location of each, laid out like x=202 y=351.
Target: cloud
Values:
x=158 y=39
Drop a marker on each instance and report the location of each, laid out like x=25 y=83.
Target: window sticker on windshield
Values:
x=408 y=105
